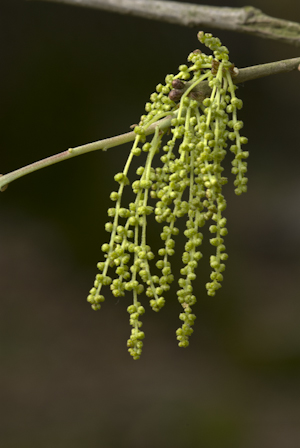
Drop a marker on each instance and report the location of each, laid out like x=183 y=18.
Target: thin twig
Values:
x=245 y=20
x=79 y=150
x=244 y=74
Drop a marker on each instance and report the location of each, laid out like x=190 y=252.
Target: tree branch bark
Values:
x=243 y=75
x=246 y=19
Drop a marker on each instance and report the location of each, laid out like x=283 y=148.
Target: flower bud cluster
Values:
x=187 y=184
x=135 y=342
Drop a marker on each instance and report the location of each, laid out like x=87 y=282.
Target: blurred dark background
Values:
x=69 y=76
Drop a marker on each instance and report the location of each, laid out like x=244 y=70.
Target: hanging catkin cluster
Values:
x=201 y=106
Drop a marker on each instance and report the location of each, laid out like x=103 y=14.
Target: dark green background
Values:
x=69 y=76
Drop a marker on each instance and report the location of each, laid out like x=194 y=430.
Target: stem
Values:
x=79 y=150
x=191 y=86
x=244 y=20
x=272 y=68
x=254 y=72
x=244 y=74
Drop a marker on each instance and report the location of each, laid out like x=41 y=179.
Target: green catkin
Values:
x=191 y=167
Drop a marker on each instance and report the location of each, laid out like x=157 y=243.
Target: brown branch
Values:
x=245 y=20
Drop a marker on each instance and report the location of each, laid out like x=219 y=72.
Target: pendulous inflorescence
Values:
x=201 y=105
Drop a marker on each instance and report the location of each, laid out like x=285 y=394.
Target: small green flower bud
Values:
x=109 y=226
x=111 y=212
x=121 y=178
x=136 y=151
x=114 y=196
x=238 y=125
x=243 y=140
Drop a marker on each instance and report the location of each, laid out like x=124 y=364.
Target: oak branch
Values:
x=242 y=75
